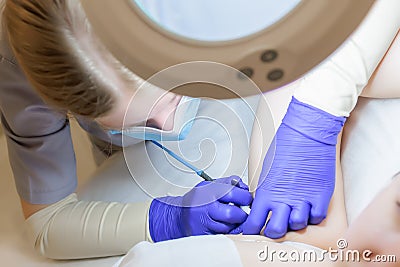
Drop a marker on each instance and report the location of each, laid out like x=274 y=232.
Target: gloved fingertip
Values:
x=299 y=216
x=238 y=182
x=317 y=220
x=297 y=226
x=275 y=233
x=217 y=228
x=250 y=228
x=247 y=201
x=243 y=186
x=236 y=231
x=318 y=213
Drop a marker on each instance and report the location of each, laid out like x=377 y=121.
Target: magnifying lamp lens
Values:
x=210 y=20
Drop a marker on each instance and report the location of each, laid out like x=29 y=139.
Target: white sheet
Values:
x=370 y=151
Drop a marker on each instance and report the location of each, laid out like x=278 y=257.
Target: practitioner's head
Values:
x=64 y=61
x=378 y=227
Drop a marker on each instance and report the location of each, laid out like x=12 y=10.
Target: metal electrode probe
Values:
x=199 y=172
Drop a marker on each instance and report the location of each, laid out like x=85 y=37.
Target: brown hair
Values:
x=56 y=48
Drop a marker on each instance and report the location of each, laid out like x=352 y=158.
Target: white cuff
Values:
x=335 y=85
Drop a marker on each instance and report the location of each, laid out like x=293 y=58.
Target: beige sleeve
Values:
x=72 y=229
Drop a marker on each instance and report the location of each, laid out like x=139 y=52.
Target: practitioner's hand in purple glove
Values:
x=299 y=184
x=206 y=209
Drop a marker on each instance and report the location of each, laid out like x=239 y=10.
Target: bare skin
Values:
x=376 y=230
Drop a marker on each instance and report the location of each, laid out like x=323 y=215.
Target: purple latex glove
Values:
x=203 y=210
x=299 y=184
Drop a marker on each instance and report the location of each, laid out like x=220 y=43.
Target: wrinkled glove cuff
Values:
x=165 y=218
x=313 y=123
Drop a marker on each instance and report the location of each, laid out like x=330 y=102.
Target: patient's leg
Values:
x=329 y=231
